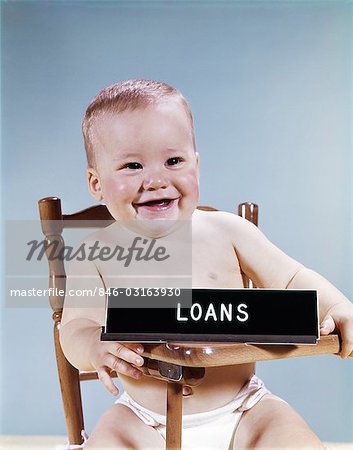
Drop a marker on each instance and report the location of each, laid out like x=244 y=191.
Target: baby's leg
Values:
x=119 y=428
x=273 y=424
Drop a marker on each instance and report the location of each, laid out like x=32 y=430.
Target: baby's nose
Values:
x=155 y=181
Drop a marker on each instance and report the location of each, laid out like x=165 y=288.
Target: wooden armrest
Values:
x=218 y=354
x=201 y=355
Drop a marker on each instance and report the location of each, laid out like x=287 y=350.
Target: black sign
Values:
x=218 y=315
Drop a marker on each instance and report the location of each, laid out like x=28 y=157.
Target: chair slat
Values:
x=96 y=216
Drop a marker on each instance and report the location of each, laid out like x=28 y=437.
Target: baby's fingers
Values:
x=347 y=340
x=127 y=354
x=122 y=367
x=327 y=326
x=104 y=377
x=136 y=347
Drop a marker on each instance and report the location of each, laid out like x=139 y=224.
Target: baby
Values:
x=142 y=162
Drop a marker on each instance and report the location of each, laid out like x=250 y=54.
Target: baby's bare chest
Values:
x=215 y=264
x=203 y=254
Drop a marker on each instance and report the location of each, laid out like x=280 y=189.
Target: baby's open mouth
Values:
x=156 y=204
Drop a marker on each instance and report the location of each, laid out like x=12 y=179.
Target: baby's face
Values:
x=146 y=165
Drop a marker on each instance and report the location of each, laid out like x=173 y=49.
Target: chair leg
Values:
x=174 y=415
x=71 y=393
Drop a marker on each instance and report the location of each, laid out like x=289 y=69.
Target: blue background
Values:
x=270 y=86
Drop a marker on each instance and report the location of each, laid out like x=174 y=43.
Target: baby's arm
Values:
x=268 y=266
x=80 y=330
x=336 y=311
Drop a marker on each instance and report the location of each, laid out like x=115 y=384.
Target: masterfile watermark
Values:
x=92 y=255
x=141 y=249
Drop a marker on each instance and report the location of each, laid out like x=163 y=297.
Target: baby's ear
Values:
x=94 y=184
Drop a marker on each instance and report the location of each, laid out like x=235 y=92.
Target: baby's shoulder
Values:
x=104 y=235
x=85 y=255
x=225 y=226
x=218 y=220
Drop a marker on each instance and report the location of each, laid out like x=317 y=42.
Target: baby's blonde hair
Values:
x=123 y=96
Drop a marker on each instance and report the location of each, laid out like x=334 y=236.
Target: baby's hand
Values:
x=107 y=357
x=340 y=318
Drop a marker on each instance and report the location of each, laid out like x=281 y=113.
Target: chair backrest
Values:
x=53 y=222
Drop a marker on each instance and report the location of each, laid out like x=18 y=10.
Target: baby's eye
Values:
x=132 y=166
x=173 y=161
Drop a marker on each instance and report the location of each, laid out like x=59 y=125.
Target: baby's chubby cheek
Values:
x=117 y=194
x=192 y=180
x=189 y=186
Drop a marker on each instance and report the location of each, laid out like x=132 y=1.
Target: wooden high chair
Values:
x=177 y=363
